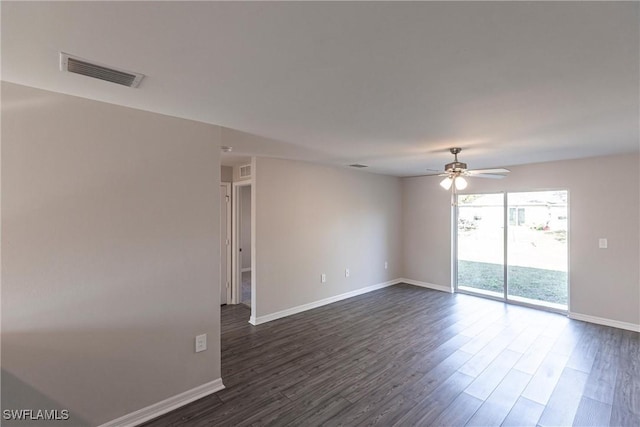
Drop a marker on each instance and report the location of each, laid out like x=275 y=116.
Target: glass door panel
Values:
x=480 y=244
x=537 y=254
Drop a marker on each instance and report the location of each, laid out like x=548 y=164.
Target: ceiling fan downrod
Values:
x=455 y=151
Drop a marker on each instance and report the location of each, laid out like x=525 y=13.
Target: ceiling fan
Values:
x=456 y=171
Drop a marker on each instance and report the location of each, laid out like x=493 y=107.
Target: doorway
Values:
x=514 y=247
x=480 y=260
x=242 y=244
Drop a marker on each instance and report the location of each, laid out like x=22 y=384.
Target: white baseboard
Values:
x=252 y=320
x=447 y=289
x=244 y=270
x=300 y=308
x=605 y=322
x=167 y=405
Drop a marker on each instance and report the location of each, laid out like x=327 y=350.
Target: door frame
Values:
x=454 y=245
x=505 y=298
x=235 y=234
x=228 y=246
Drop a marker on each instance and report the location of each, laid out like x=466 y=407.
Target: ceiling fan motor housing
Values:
x=455 y=166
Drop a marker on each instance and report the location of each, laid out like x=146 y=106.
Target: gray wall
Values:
x=426 y=232
x=226 y=173
x=313 y=219
x=109 y=255
x=604 y=202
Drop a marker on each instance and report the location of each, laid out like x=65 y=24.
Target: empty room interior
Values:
x=320 y=213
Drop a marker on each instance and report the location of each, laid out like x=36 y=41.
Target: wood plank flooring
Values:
x=409 y=356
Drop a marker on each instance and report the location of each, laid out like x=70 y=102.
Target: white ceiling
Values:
x=391 y=85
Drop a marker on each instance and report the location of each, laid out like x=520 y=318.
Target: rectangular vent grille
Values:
x=358 y=165
x=101 y=72
x=245 y=171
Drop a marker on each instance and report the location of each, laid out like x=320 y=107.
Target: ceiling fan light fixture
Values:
x=460 y=183
x=446 y=183
x=455 y=172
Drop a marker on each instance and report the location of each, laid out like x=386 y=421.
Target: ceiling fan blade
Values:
x=492 y=171
x=486 y=175
x=433 y=172
x=429 y=174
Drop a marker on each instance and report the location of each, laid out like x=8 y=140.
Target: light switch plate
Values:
x=201 y=343
x=603 y=243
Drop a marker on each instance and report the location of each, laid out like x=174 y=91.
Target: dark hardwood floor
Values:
x=409 y=356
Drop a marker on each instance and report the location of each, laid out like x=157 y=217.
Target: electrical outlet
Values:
x=603 y=243
x=323 y=278
x=201 y=343
x=386 y=265
x=346 y=272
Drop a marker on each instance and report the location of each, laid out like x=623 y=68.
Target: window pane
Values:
x=480 y=243
x=537 y=248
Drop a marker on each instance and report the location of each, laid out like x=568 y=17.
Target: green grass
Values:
x=533 y=283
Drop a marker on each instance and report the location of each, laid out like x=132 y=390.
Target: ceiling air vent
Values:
x=76 y=65
x=358 y=165
x=245 y=171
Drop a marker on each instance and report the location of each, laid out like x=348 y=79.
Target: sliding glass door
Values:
x=480 y=266
x=537 y=248
x=532 y=228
